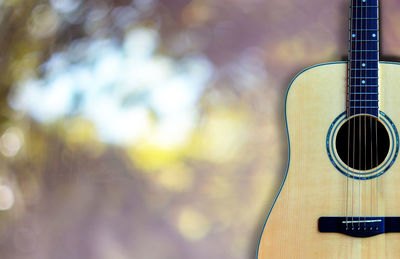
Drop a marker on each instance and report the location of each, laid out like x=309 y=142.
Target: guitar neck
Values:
x=363 y=83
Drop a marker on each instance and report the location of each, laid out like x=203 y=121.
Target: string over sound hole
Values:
x=362 y=142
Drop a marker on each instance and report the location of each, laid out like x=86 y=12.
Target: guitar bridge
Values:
x=359 y=226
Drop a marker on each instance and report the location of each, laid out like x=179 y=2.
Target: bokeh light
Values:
x=11 y=142
x=151 y=129
x=6 y=197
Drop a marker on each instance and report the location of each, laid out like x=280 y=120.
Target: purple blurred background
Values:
x=152 y=129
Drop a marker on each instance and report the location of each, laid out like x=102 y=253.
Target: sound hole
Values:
x=362 y=142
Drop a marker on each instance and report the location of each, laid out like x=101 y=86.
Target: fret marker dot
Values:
x=353 y=35
x=374 y=35
x=363 y=64
x=363 y=81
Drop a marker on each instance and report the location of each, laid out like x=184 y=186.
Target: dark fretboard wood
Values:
x=362 y=92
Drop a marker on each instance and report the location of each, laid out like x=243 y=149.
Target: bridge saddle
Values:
x=359 y=226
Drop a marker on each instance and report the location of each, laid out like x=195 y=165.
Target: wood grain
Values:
x=314 y=187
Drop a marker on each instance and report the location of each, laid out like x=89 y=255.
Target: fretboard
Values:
x=362 y=92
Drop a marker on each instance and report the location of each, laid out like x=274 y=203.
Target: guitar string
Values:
x=365 y=129
x=358 y=80
x=359 y=117
x=376 y=164
x=365 y=124
x=353 y=150
x=348 y=151
x=376 y=130
x=349 y=91
x=372 y=164
x=371 y=181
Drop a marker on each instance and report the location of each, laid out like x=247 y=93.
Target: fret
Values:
x=364 y=69
x=362 y=72
x=360 y=90
x=364 y=50
x=364 y=40
x=358 y=107
x=369 y=76
x=355 y=105
x=366 y=93
x=363 y=77
x=365 y=110
x=364 y=30
x=358 y=84
x=370 y=103
x=362 y=96
x=367 y=18
x=361 y=100
x=363 y=16
x=370 y=111
x=363 y=93
x=363 y=86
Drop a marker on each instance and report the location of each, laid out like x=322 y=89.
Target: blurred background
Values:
x=149 y=129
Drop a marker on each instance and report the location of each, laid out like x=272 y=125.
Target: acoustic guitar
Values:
x=340 y=197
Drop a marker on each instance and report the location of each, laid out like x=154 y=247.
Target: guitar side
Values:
x=313 y=187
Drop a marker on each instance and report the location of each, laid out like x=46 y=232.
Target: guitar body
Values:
x=313 y=187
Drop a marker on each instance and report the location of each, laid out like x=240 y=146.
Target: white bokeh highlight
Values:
x=128 y=92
